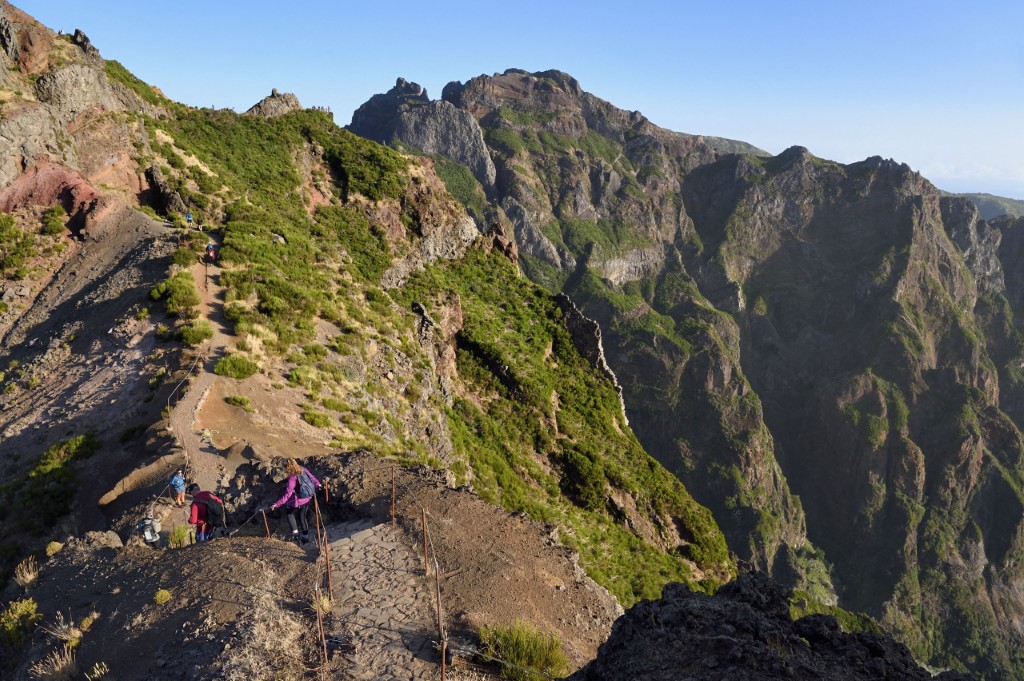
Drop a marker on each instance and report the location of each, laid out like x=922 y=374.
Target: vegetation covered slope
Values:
x=532 y=425
x=791 y=323
x=335 y=253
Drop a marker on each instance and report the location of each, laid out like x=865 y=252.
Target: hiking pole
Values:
x=327 y=490
x=265 y=523
x=392 y=496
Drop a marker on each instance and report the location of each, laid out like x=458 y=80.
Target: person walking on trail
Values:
x=299 y=491
x=211 y=253
x=177 y=484
x=206 y=514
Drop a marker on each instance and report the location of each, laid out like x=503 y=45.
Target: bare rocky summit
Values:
x=276 y=104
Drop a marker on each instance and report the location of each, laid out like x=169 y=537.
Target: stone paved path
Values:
x=383 y=608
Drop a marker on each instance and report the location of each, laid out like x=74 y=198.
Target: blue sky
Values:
x=935 y=86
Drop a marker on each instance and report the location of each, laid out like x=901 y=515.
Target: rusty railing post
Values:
x=426 y=562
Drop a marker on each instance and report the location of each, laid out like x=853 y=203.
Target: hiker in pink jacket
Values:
x=299 y=491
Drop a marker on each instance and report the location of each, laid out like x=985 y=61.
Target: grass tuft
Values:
x=527 y=648
x=27 y=572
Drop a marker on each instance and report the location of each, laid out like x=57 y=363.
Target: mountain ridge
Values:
x=844 y=311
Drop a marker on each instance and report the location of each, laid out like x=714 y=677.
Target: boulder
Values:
x=744 y=632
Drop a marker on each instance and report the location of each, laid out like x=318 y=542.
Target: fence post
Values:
x=316 y=507
x=327 y=561
x=426 y=562
x=320 y=622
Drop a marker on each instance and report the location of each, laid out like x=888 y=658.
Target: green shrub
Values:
x=16 y=247
x=16 y=623
x=53 y=548
x=178 y=537
x=184 y=257
x=240 y=401
x=522 y=645
x=334 y=404
x=316 y=418
x=53 y=220
x=161 y=596
x=178 y=292
x=235 y=366
x=47 y=492
x=142 y=313
x=195 y=332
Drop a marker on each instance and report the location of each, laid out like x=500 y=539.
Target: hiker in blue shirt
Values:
x=178 y=485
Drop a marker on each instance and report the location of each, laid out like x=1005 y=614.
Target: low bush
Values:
x=240 y=401
x=47 y=492
x=235 y=366
x=184 y=257
x=161 y=596
x=16 y=623
x=316 y=418
x=178 y=292
x=195 y=332
x=53 y=548
x=53 y=220
x=526 y=647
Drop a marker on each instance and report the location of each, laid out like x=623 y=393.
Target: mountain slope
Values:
x=789 y=323
x=362 y=310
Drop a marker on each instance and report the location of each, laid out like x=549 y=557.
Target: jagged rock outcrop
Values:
x=163 y=197
x=744 y=632
x=586 y=334
x=277 y=104
x=406 y=114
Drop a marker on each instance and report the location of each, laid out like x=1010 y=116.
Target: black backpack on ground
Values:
x=216 y=516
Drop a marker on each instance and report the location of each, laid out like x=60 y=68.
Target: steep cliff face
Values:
x=591 y=192
x=788 y=322
x=860 y=286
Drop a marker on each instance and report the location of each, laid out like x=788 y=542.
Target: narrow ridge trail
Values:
x=208 y=466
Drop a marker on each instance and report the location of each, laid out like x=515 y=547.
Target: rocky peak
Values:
x=406 y=114
x=377 y=117
x=82 y=40
x=277 y=104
